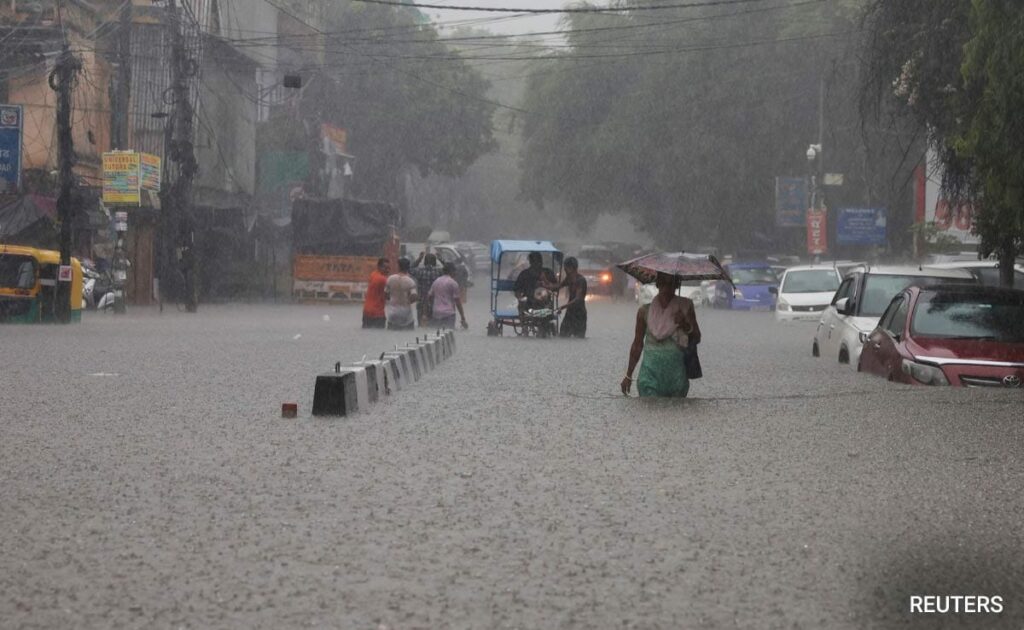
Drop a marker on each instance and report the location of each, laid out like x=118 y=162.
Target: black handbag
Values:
x=691 y=362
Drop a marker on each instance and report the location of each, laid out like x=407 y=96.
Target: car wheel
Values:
x=844 y=356
x=815 y=352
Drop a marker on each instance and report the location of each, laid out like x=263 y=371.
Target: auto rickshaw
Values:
x=28 y=285
x=540 y=319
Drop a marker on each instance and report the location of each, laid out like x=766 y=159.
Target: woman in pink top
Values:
x=663 y=328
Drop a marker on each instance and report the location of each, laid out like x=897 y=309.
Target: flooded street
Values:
x=148 y=480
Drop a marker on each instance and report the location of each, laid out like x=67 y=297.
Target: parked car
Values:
x=860 y=300
x=960 y=335
x=599 y=276
x=986 y=271
x=445 y=252
x=477 y=255
x=751 y=289
x=604 y=256
x=805 y=292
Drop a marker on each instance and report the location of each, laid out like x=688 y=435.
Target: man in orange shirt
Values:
x=373 y=305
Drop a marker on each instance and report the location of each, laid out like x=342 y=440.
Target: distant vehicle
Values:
x=445 y=252
x=476 y=254
x=751 y=288
x=960 y=335
x=598 y=253
x=986 y=271
x=805 y=291
x=862 y=297
x=693 y=289
x=606 y=256
x=599 y=276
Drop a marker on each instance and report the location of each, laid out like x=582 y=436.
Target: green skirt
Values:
x=662 y=372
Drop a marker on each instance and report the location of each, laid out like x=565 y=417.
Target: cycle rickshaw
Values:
x=537 y=316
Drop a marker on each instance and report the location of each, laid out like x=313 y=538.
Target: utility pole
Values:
x=181 y=152
x=122 y=87
x=62 y=81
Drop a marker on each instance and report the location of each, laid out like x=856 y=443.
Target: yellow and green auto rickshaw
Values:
x=28 y=285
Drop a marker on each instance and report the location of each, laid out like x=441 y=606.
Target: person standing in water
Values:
x=374 y=301
x=663 y=329
x=574 y=322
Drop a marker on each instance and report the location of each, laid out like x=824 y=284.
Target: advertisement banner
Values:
x=861 y=226
x=817 y=232
x=950 y=218
x=790 y=201
x=150 y=172
x=10 y=148
x=334 y=268
x=121 y=178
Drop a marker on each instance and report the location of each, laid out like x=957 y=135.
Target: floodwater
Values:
x=149 y=480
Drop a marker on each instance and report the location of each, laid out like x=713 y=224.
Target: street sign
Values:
x=861 y=226
x=64 y=273
x=149 y=172
x=817 y=232
x=833 y=179
x=10 y=148
x=121 y=178
x=790 y=201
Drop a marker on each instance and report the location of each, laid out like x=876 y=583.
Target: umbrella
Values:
x=684 y=266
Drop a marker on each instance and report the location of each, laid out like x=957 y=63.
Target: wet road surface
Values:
x=147 y=480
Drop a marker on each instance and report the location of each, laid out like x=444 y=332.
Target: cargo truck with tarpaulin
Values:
x=336 y=244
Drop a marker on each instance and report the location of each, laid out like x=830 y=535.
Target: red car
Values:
x=961 y=335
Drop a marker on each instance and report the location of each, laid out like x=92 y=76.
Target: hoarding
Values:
x=149 y=172
x=121 y=178
x=955 y=219
x=817 y=232
x=10 y=148
x=790 y=201
x=861 y=226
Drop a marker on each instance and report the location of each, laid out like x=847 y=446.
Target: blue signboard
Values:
x=10 y=148
x=791 y=202
x=861 y=226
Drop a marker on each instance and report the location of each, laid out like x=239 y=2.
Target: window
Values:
x=898 y=322
x=980 y=317
x=885 y=322
x=845 y=290
x=17 y=272
x=810 y=281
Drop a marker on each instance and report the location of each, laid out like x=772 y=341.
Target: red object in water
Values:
x=289 y=410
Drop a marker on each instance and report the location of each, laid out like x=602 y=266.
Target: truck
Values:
x=336 y=244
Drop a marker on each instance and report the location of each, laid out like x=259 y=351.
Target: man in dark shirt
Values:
x=530 y=279
x=425 y=270
x=574 y=322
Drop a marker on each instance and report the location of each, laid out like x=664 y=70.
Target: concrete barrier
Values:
x=384 y=383
x=408 y=373
x=425 y=355
x=335 y=394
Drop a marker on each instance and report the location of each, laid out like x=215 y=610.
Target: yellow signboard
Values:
x=121 y=178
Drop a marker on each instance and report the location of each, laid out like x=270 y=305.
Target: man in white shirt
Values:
x=401 y=295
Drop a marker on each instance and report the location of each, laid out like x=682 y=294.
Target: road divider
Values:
x=358 y=386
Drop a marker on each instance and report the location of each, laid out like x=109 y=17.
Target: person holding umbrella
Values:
x=667 y=332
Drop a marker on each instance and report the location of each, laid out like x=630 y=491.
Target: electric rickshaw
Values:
x=28 y=285
x=535 y=315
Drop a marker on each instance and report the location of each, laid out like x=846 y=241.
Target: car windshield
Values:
x=17 y=271
x=879 y=290
x=810 y=281
x=753 y=276
x=957 y=316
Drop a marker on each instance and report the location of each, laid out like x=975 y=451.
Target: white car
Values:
x=862 y=296
x=644 y=293
x=986 y=271
x=805 y=292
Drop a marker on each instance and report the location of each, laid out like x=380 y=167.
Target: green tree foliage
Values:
x=956 y=68
x=683 y=119
x=406 y=99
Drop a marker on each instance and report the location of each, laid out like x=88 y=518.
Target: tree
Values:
x=684 y=122
x=955 y=68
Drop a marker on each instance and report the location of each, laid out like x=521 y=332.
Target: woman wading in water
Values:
x=664 y=328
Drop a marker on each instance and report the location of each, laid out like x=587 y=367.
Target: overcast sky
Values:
x=499 y=22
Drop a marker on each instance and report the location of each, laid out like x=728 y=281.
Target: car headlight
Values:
x=864 y=337
x=782 y=305
x=923 y=373
x=605 y=278
x=737 y=294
